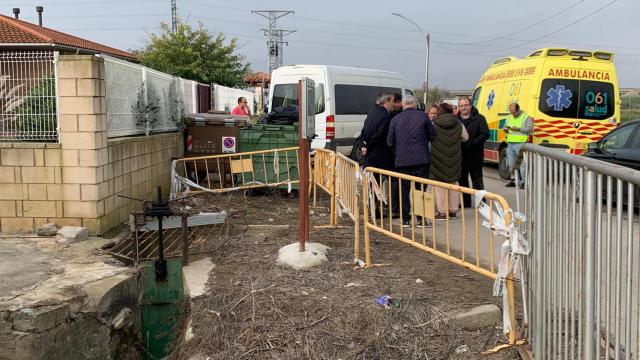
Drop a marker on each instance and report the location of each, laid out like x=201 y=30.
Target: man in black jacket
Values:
x=375 y=151
x=473 y=149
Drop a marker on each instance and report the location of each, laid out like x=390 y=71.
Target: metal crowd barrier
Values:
x=463 y=240
x=237 y=171
x=582 y=274
x=347 y=194
x=339 y=177
x=324 y=167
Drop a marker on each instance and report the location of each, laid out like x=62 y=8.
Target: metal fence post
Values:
x=56 y=62
x=589 y=343
x=538 y=257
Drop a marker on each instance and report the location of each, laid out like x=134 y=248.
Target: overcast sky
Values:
x=467 y=35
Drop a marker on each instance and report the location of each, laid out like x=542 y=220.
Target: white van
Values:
x=343 y=97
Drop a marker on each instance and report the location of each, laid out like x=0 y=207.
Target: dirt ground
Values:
x=256 y=309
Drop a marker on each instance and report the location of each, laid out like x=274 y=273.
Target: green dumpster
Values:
x=265 y=167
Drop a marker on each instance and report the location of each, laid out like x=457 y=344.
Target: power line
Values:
x=507 y=35
x=275 y=36
x=559 y=29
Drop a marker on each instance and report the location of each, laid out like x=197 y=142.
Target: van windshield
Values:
x=287 y=94
x=577 y=99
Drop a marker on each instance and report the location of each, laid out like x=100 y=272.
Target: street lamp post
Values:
x=426 y=60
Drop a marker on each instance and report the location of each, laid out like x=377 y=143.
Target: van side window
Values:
x=319 y=101
x=476 y=97
x=287 y=94
x=357 y=99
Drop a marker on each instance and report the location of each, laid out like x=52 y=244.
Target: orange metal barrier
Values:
x=446 y=239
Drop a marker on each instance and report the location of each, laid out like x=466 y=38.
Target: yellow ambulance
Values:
x=572 y=96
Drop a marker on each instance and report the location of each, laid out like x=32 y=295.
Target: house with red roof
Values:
x=17 y=34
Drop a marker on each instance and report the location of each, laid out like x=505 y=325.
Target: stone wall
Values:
x=76 y=182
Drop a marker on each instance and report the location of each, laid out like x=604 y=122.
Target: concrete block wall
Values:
x=76 y=182
x=31 y=188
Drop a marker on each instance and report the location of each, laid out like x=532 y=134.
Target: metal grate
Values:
x=28 y=101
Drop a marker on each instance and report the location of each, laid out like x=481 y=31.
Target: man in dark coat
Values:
x=410 y=133
x=473 y=149
x=375 y=151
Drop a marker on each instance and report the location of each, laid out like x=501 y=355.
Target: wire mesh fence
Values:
x=28 y=102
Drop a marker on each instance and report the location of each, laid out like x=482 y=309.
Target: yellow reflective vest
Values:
x=516 y=136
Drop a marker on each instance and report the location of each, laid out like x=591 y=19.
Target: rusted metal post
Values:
x=303 y=169
x=185 y=240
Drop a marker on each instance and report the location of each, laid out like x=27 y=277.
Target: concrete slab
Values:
x=479 y=317
x=22 y=266
x=196 y=275
x=291 y=256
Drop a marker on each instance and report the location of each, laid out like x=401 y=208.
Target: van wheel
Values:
x=503 y=165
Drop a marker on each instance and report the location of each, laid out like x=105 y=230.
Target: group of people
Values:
x=441 y=143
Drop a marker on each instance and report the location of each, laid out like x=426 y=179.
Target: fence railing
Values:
x=447 y=239
x=583 y=272
x=230 y=172
x=28 y=101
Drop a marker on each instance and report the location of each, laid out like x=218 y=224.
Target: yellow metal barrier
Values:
x=445 y=239
x=324 y=166
x=347 y=175
x=228 y=172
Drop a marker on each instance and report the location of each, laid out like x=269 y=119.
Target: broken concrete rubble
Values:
x=49 y=229
x=72 y=234
x=85 y=309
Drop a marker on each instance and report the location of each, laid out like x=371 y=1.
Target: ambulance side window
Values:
x=476 y=97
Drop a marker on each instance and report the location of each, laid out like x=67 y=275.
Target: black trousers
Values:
x=471 y=167
x=421 y=171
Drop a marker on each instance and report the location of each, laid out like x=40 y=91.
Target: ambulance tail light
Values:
x=330 y=128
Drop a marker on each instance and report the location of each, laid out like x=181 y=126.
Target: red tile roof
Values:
x=14 y=31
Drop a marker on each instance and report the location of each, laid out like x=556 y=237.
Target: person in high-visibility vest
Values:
x=518 y=127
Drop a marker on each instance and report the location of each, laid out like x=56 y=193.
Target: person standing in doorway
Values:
x=518 y=127
x=473 y=149
x=410 y=133
x=242 y=108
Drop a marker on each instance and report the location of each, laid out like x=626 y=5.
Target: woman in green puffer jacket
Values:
x=446 y=159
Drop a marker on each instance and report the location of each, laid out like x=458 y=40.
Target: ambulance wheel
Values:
x=503 y=165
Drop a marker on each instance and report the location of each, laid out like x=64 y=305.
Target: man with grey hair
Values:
x=410 y=133
x=374 y=149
